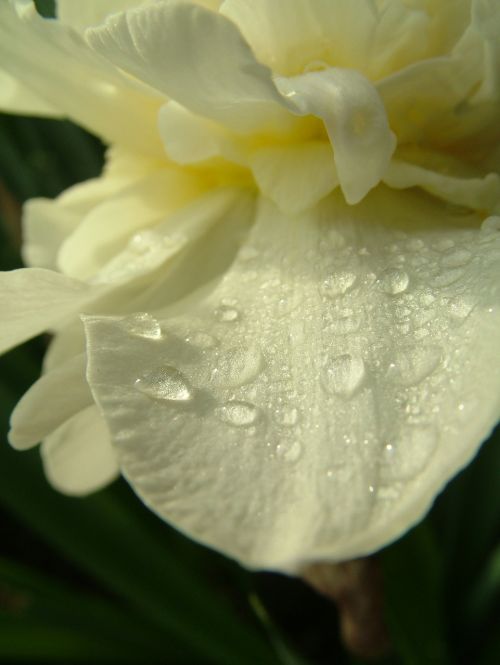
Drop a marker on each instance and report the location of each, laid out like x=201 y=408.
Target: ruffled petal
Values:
x=296 y=176
x=196 y=57
x=64 y=387
x=81 y=15
x=355 y=120
x=78 y=458
x=348 y=360
x=54 y=62
x=32 y=300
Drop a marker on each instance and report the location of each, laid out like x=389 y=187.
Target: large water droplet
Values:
x=226 y=313
x=165 y=383
x=393 y=281
x=343 y=375
x=456 y=259
x=238 y=414
x=412 y=364
x=491 y=224
x=144 y=325
x=337 y=284
x=237 y=367
x=409 y=453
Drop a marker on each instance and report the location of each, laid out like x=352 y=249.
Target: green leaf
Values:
x=414 y=598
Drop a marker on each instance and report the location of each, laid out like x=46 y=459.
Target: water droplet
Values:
x=202 y=340
x=226 y=313
x=289 y=451
x=287 y=416
x=411 y=452
x=444 y=244
x=413 y=364
x=337 y=284
x=393 y=281
x=460 y=308
x=144 y=325
x=415 y=245
x=237 y=367
x=238 y=414
x=343 y=375
x=491 y=224
x=345 y=323
x=248 y=253
x=336 y=240
x=165 y=383
x=329 y=473
x=142 y=242
x=456 y=259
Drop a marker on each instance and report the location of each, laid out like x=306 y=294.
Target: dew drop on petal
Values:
x=237 y=367
x=287 y=416
x=337 y=284
x=343 y=375
x=412 y=364
x=202 y=340
x=491 y=224
x=393 y=281
x=226 y=313
x=290 y=452
x=165 y=383
x=238 y=414
x=144 y=325
x=410 y=453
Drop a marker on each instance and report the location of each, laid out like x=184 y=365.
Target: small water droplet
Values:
x=226 y=313
x=289 y=451
x=165 y=383
x=248 y=253
x=456 y=259
x=238 y=414
x=444 y=244
x=202 y=340
x=491 y=224
x=287 y=416
x=343 y=375
x=335 y=239
x=460 y=308
x=415 y=245
x=142 y=242
x=144 y=325
x=329 y=473
x=411 y=452
x=393 y=281
x=337 y=284
x=237 y=367
x=412 y=364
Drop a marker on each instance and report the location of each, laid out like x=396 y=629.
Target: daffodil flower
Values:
x=288 y=273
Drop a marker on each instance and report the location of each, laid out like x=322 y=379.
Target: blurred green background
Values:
x=102 y=580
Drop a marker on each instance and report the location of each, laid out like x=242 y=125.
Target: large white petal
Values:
x=78 y=458
x=317 y=401
x=32 y=300
x=17 y=98
x=81 y=15
x=53 y=399
x=196 y=57
x=53 y=61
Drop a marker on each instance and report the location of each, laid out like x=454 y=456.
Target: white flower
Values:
x=293 y=347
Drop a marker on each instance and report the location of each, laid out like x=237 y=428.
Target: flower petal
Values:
x=295 y=176
x=81 y=15
x=78 y=458
x=108 y=227
x=196 y=57
x=54 y=62
x=32 y=421
x=355 y=120
x=33 y=300
x=348 y=360
x=17 y=98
